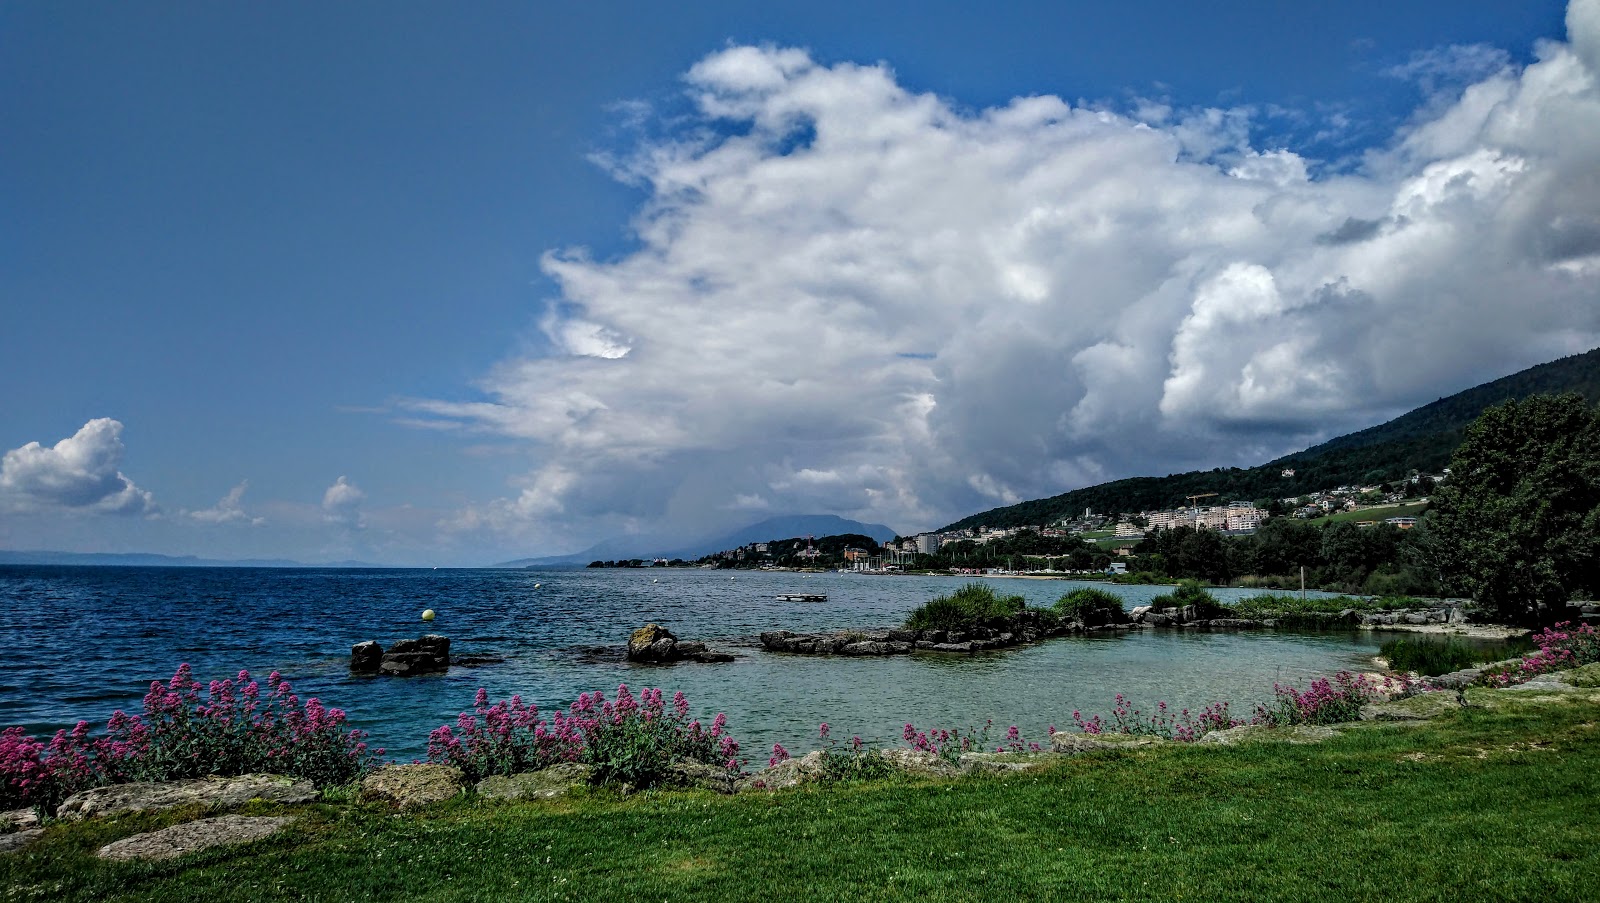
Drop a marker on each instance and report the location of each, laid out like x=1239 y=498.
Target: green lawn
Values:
x=1407 y=509
x=1489 y=804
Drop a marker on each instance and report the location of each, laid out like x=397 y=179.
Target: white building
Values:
x=928 y=543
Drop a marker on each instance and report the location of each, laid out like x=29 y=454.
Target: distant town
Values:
x=1089 y=543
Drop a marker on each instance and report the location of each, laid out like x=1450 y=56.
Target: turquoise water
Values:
x=84 y=641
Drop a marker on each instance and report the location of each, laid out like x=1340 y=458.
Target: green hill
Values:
x=1420 y=440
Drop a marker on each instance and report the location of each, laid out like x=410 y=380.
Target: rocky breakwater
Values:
x=1213 y=616
x=995 y=633
x=428 y=654
x=1193 y=617
x=655 y=645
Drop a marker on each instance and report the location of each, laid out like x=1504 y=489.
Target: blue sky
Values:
x=295 y=243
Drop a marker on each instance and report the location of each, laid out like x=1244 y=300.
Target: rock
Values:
x=546 y=783
x=688 y=773
x=1139 y=611
x=1298 y=733
x=428 y=654
x=474 y=661
x=785 y=774
x=1420 y=707
x=1234 y=624
x=1072 y=744
x=16 y=840
x=1457 y=680
x=212 y=792
x=412 y=785
x=19 y=820
x=1159 y=619
x=919 y=762
x=1587 y=676
x=951 y=647
x=1001 y=763
x=366 y=657
x=651 y=643
x=902 y=636
x=1547 y=683
x=189 y=837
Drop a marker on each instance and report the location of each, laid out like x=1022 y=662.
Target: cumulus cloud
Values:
x=341 y=504
x=850 y=296
x=228 y=510
x=79 y=473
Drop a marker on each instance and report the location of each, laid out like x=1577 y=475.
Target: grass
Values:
x=1091 y=604
x=1376 y=513
x=1489 y=803
x=1432 y=657
x=1290 y=604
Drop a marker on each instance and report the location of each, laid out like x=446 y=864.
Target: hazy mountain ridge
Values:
x=1422 y=439
x=151 y=559
x=783 y=527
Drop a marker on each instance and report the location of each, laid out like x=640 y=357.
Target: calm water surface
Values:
x=83 y=641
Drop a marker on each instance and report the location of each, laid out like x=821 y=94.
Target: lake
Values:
x=82 y=641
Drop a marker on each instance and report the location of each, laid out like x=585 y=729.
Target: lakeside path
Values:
x=1494 y=801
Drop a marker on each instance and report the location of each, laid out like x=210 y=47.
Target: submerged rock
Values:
x=212 y=792
x=170 y=843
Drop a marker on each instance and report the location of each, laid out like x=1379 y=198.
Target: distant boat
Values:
x=802 y=597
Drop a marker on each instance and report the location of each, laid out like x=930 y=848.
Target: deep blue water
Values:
x=83 y=641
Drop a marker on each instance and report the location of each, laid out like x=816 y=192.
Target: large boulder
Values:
x=651 y=643
x=211 y=792
x=428 y=654
x=919 y=762
x=546 y=783
x=1245 y=733
x=366 y=658
x=16 y=840
x=689 y=773
x=788 y=773
x=170 y=843
x=409 y=786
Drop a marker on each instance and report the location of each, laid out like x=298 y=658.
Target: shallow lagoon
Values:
x=81 y=642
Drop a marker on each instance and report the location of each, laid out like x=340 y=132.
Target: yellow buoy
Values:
x=427 y=614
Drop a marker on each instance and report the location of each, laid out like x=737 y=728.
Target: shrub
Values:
x=235 y=729
x=1192 y=592
x=1560 y=647
x=1325 y=701
x=967 y=606
x=1092 y=606
x=630 y=740
x=1185 y=726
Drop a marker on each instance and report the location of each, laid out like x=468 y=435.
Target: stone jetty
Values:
x=995 y=633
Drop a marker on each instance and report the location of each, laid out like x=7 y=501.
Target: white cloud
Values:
x=78 y=473
x=341 y=504
x=848 y=296
x=228 y=510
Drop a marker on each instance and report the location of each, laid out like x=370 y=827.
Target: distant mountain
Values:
x=786 y=527
x=149 y=559
x=1421 y=440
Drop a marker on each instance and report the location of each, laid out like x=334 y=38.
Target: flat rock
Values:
x=189 y=837
x=19 y=820
x=1588 y=676
x=1545 y=683
x=546 y=783
x=408 y=786
x=1073 y=744
x=16 y=840
x=919 y=762
x=1245 y=733
x=1421 y=707
x=212 y=792
x=686 y=773
x=1002 y=763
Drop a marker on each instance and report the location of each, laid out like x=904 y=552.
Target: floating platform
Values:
x=802 y=597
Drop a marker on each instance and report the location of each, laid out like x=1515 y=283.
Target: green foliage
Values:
x=1517 y=526
x=1430 y=657
x=1269 y=605
x=1092 y=606
x=1191 y=592
x=972 y=604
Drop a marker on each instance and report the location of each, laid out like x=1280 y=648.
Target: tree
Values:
x=1516 y=525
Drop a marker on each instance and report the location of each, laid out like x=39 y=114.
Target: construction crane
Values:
x=1193 y=498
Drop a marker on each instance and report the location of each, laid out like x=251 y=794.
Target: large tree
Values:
x=1516 y=523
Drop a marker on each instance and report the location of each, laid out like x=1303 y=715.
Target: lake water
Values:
x=83 y=641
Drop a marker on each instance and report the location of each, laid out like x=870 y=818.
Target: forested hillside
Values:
x=1420 y=440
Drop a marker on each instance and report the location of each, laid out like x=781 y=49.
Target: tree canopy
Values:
x=1516 y=524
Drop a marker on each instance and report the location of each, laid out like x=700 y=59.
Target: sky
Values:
x=426 y=284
